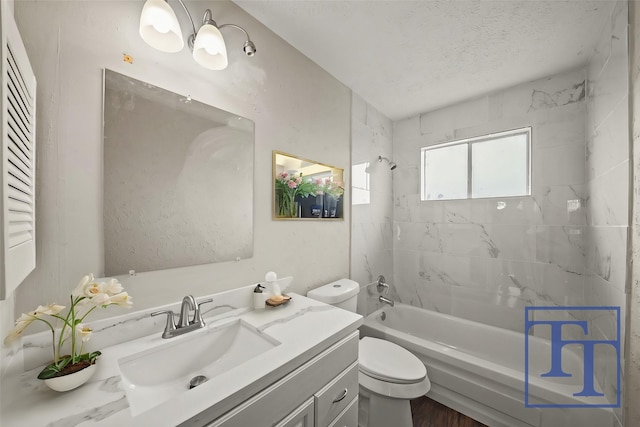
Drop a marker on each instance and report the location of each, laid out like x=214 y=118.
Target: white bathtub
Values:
x=478 y=369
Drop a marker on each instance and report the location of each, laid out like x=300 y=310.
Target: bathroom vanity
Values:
x=293 y=365
x=298 y=394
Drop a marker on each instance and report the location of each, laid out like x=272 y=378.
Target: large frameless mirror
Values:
x=178 y=179
x=305 y=189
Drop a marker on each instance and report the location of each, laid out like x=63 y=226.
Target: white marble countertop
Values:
x=303 y=327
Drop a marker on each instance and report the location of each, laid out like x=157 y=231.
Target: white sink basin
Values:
x=159 y=374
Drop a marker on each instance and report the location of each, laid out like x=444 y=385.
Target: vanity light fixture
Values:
x=160 y=29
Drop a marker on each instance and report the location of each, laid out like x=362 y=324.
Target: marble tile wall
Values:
x=632 y=371
x=566 y=244
x=487 y=259
x=607 y=181
x=371 y=223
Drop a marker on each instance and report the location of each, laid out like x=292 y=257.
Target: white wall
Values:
x=296 y=106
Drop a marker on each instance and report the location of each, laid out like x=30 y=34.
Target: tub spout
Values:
x=386 y=300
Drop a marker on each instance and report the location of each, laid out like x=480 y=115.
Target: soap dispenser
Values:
x=259 y=297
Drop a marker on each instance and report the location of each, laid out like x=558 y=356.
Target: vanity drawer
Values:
x=348 y=417
x=337 y=395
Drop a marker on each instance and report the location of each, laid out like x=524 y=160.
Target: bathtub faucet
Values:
x=386 y=300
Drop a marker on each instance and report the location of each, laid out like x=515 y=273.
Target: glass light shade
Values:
x=209 y=49
x=159 y=27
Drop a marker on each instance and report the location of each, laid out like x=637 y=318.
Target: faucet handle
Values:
x=170 y=326
x=381 y=285
x=197 y=316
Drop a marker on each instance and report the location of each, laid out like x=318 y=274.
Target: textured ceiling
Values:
x=408 y=57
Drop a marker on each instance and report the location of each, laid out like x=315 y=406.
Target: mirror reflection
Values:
x=178 y=179
x=305 y=189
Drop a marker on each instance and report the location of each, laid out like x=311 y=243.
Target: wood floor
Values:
x=429 y=413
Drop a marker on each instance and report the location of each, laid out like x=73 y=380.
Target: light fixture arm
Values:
x=192 y=37
x=248 y=48
x=236 y=26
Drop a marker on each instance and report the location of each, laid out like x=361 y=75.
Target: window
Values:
x=496 y=165
x=360 y=192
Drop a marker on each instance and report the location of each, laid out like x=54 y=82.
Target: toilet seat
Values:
x=388 y=362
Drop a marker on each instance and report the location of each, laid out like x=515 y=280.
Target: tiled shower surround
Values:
x=607 y=177
x=371 y=223
x=487 y=259
x=632 y=379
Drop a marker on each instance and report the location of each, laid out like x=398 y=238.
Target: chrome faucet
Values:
x=381 y=285
x=184 y=324
x=188 y=303
x=386 y=300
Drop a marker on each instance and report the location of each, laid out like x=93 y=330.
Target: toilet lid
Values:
x=389 y=362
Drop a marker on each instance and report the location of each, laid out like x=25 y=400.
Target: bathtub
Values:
x=478 y=370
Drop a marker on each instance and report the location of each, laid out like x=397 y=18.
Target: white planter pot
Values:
x=71 y=381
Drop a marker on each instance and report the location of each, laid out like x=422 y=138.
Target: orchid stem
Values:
x=73 y=331
x=53 y=341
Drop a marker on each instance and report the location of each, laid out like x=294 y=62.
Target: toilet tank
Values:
x=342 y=293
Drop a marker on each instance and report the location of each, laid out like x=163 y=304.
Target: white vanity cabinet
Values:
x=323 y=392
x=301 y=417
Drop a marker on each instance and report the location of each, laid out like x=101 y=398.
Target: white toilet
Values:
x=389 y=375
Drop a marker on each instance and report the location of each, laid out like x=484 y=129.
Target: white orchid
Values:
x=122 y=299
x=95 y=293
x=84 y=332
x=50 y=309
x=80 y=290
x=112 y=287
x=27 y=318
x=99 y=299
x=86 y=296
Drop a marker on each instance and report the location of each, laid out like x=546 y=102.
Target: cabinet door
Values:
x=17 y=158
x=301 y=417
x=348 y=417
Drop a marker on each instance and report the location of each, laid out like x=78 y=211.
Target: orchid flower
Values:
x=85 y=297
x=27 y=318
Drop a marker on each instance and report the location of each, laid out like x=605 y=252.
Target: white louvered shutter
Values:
x=18 y=93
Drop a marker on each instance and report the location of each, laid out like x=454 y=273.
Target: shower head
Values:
x=392 y=165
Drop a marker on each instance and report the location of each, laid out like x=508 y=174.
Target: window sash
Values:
x=526 y=131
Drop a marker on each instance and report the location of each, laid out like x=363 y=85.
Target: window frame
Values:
x=367 y=187
x=527 y=130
